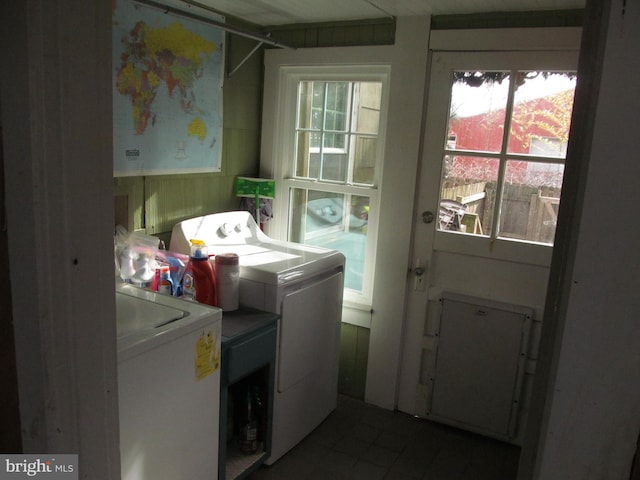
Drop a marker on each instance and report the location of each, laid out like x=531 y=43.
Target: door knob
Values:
x=427 y=216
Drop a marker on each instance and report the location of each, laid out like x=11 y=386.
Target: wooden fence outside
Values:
x=528 y=213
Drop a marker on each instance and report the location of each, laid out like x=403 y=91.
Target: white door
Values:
x=489 y=188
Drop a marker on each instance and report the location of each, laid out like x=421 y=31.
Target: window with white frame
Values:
x=330 y=171
x=504 y=153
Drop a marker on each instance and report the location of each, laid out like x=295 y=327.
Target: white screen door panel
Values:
x=480 y=365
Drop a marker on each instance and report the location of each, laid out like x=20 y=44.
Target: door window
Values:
x=504 y=151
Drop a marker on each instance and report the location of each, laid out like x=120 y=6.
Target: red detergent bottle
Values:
x=202 y=274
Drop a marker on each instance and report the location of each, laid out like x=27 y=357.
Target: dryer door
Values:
x=310 y=331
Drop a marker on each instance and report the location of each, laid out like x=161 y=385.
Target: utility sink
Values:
x=134 y=314
x=145 y=319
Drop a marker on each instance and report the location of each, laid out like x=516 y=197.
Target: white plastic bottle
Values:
x=227 y=270
x=165 y=284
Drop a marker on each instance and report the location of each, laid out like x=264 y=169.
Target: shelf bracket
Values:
x=245 y=59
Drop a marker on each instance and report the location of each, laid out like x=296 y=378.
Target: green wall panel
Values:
x=354 y=355
x=340 y=34
x=169 y=199
x=555 y=18
x=133 y=189
x=242 y=152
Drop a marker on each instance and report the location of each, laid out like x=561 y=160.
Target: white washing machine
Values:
x=168 y=386
x=304 y=285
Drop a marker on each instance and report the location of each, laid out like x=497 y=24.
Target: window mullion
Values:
x=295 y=167
x=537 y=159
x=502 y=169
x=350 y=153
x=323 y=131
x=349 y=132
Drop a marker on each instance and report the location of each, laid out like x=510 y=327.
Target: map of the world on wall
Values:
x=167 y=92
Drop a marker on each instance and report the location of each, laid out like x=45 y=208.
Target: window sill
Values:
x=356 y=314
x=505 y=250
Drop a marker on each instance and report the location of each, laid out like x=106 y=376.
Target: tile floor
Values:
x=359 y=441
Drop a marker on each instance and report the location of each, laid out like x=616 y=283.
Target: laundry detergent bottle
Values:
x=199 y=281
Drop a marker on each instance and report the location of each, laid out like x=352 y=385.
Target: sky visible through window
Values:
x=475 y=100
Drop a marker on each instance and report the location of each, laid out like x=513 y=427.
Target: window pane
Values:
x=366 y=118
x=334 y=167
x=477 y=111
x=335 y=141
x=467 y=195
x=307 y=164
x=530 y=201
x=318 y=90
x=337 y=131
x=337 y=102
x=541 y=118
x=309 y=106
x=326 y=164
x=336 y=221
x=365 y=153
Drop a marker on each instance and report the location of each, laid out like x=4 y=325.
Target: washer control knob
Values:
x=238 y=227
x=225 y=230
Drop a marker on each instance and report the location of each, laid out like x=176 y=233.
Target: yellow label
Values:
x=207 y=355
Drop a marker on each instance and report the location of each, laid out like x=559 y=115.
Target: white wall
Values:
x=57 y=123
x=590 y=407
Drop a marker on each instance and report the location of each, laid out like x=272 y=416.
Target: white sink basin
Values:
x=134 y=314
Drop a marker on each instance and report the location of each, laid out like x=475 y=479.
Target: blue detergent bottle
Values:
x=165 y=283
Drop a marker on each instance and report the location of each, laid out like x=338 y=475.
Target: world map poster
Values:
x=167 y=92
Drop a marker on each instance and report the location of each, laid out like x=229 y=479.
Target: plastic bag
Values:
x=138 y=260
x=136 y=256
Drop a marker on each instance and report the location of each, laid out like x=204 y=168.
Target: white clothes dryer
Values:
x=304 y=285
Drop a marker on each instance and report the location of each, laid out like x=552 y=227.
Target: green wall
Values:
x=354 y=355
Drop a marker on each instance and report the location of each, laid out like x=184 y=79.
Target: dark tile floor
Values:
x=359 y=441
